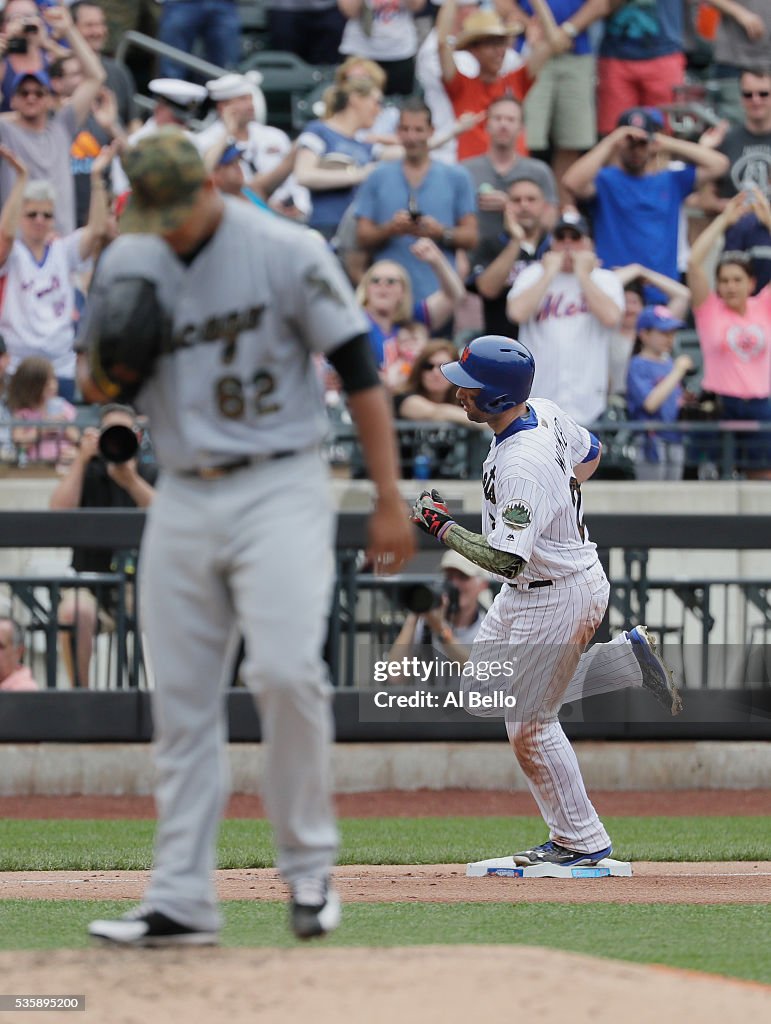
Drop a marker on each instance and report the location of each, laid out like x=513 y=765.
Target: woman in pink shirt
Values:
x=734 y=329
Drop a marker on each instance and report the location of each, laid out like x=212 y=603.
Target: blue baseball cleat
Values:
x=656 y=676
x=552 y=853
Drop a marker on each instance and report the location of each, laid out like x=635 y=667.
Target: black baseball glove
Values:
x=130 y=329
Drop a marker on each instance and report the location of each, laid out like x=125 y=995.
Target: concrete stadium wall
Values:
x=126 y=769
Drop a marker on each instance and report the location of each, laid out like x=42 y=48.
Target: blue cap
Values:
x=647 y=118
x=571 y=221
x=658 y=318
x=231 y=153
x=39 y=76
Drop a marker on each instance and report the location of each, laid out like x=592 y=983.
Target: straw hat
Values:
x=481 y=25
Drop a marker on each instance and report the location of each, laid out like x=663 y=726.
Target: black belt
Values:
x=534 y=584
x=225 y=468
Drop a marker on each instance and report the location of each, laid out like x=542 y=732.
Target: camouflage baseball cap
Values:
x=166 y=172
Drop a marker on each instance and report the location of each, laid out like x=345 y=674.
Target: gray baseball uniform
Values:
x=250 y=550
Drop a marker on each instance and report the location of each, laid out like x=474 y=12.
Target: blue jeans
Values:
x=313 y=36
x=753 y=451
x=214 y=22
x=67 y=388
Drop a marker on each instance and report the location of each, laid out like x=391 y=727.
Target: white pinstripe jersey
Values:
x=532 y=502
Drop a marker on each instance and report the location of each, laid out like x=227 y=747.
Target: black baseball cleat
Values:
x=552 y=853
x=656 y=674
x=315 y=908
x=145 y=927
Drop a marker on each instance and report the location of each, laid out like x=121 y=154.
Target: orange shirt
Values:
x=470 y=95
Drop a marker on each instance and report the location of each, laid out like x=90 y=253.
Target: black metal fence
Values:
x=367 y=610
x=715 y=450
x=716 y=630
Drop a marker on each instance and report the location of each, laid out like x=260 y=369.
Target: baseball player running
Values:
x=555 y=593
x=240 y=538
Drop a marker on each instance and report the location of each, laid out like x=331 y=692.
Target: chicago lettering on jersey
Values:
x=218 y=328
x=555 y=306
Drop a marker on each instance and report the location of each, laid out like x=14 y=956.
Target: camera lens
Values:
x=118 y=443
x=419 y=598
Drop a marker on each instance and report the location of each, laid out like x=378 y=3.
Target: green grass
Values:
x=127 y=845
x=732 y=940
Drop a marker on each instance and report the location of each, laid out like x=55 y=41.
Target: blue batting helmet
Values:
x=502 y=367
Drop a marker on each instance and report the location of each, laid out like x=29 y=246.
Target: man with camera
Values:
x=42 y=140
x=106 y=473
x=25 y=45
x=450 y=624
x=416 y=197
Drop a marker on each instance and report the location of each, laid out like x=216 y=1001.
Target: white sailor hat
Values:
x=231 y=86
x=184 y=97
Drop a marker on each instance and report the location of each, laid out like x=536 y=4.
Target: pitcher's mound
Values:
x=432 y=985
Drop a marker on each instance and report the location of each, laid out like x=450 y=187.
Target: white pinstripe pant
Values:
x=542 y=634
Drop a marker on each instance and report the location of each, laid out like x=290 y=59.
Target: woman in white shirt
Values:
x=38 y=312
x=384 y=31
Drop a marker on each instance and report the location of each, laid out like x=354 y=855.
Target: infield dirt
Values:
x=710 y=882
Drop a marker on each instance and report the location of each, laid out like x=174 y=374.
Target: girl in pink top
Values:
x=735 y=332
x=32 y=396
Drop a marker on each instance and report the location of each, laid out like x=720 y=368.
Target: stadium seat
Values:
x=285 y=76
x=253 y=15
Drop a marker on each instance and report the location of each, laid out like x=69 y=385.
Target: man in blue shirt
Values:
x=641 y=59
x=635 y=206
x=416 y=197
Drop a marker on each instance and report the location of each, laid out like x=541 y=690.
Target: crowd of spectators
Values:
x=501 y=167
x=515 y=167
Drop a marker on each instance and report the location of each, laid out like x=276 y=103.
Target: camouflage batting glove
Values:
x=431 y=514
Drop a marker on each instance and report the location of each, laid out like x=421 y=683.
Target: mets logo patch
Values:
x=518 y=516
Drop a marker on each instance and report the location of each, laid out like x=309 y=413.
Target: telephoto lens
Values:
x=419 y=598
x=118 y=443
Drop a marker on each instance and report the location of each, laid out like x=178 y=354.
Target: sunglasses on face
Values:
x=433 y=366
x=568 y=236
x=377 y=279
x=748 y=94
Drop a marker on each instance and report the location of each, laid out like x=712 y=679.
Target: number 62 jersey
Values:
x=249 y=310
x=532 y=500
